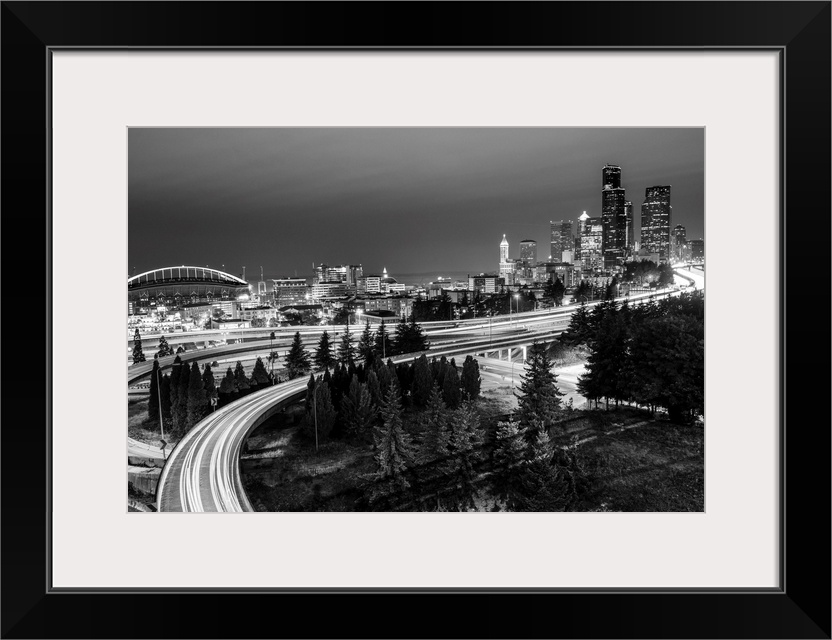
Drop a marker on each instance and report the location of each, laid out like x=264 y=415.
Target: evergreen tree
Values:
x=404 y=377
x=433 y=422
x=241 y=379
x=164 y=348
x=358 y=411
x=209 y=385
x=394 y=449
x=543 y=487
x=471 y=380
x=417 y=340
x=197 y=402
x=155 y=392
x=324 y=359
x=297 y=360
x=320 y=419
x=382 y=342
x=450 y=388
x=509 y=458
x=422 y=381
x=612 y=289
x=228 y=388
x=557 y=291
x=138 y=354
x=259 y=374
x=607 y=361
x=166 y=415
x=442 y=371
x=385 y=377
x=539 y=398
x=346 y=350
x=366 y=348
x=401 y=338
x=374 y=388
x=579 y=330
x=667 y=360
x=180 y=407
x=464 y=447
x=175 y=374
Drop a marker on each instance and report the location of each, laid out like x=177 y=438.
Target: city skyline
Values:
x=396 y=198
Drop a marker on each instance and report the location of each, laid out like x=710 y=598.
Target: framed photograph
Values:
x=280 y=179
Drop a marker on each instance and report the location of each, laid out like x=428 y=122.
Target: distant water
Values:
x=431 y=276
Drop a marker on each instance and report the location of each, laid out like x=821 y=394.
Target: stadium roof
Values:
x=184 y=274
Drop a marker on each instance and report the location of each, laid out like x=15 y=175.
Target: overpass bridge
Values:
x=437 y=332
x=202 y=473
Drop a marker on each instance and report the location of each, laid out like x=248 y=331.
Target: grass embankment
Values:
x=138 y=426
x=632 y=463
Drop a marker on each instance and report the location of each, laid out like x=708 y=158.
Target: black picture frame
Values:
x=799 y=31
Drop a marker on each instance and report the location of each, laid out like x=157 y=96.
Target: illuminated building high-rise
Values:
x=592 y=239
x=629 y=241
x=655 y=221
x=678 y=240
x=528 y=256
x=561 y=238
x=613 y=215
x=506 y=263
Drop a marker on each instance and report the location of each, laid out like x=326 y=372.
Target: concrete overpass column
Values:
x=524 y=352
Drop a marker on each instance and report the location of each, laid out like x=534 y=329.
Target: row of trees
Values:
x=189 y=393
x=372 y=345
x=346 y=401
x=650 y=354
x=164 y=348
x=442 y=466
x=183 y=397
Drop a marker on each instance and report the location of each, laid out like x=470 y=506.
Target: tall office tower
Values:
x=678 y=240
x=528 y=252
x=629 y=241
x=506 y=264
x=655 y=221
x=592 y=241
x=613 y=215
x=561 y=238
x=582 y=223
x=697 y=249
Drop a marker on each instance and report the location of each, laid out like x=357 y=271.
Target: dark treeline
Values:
x=189 y=393
x=431 y=448
x=651 y=354
x=447 y=455
x=407 y=337
x=366 y=405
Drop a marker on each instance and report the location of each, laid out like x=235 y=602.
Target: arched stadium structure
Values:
x=175 y=286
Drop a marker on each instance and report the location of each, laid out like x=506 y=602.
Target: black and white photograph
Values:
x=416 y=319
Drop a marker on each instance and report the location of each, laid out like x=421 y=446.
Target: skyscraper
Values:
x=678 y=240
x=629 y=242
x=655 y=221
x=506 y=264
x=592 y=239
x=561 y=238
x=528 y=252
x=613 y=215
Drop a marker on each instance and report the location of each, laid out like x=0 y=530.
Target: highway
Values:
x=438 y=333
x=202 y=473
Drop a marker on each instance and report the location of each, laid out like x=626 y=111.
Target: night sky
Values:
x=417 y=201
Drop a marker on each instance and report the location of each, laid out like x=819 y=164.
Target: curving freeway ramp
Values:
x=203 y=471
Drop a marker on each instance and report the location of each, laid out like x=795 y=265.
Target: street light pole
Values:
x=271 y=353
x=161 y=417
